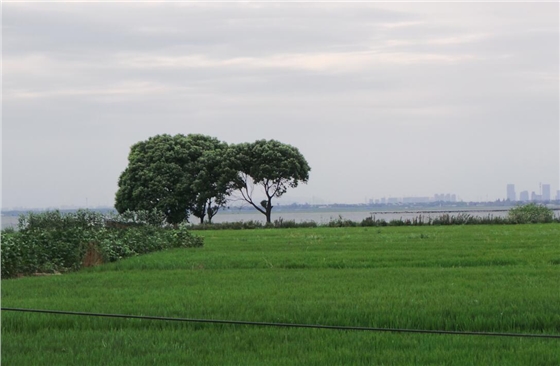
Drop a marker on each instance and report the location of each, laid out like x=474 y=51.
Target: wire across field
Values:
x=500 y=279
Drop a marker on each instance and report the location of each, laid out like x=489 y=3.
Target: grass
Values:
x=472 y=278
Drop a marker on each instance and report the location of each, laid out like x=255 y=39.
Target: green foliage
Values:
x=236 y=225
x=271 y=164
x=156 y=178
x=182 y=175
x=181 y=237
x=11 y=254
x=530 y=213
x=54 y=242
x=211 y=178
x=371 y=221
x=280 y=223
x=176 y=175
x=137 y=218
x=84 y=219
x=341 y=222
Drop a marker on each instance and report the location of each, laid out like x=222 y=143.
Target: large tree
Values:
x=177 y=175
x=209 y=172
x=272 y=165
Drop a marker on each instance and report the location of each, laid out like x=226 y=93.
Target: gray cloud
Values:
x=382 y=99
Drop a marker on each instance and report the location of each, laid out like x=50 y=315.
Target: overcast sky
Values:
x=406 y=99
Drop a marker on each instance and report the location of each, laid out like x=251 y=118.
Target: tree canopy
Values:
x=194 y=175
x=273 y=165
x=176 y=175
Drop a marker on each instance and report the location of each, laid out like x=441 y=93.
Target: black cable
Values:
x=286 y=325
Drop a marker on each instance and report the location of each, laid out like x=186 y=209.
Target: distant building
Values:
x=535 y=197
x=511 y=196
x=392 y=200
x=524 y=196
x=416 y=199
x=445 y=197
x=546 y=192
x=558 y=195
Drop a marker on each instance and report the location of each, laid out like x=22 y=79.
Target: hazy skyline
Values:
x=404 y=99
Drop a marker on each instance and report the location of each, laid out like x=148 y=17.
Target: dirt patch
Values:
x=92 y=256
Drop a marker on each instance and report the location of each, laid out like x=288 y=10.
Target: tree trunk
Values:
x=268 y=213
x=212 y=211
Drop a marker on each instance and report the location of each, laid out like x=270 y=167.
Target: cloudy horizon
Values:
x=383 y=100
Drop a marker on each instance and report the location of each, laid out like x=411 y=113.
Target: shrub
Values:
x=530 y=213
x=83 y=219
x=55 y=242
x=182 y=238
x=341 y=222
x=141 y=217
x=236 y=225
x=371 y=221
x=11 y=254
x=291 y=224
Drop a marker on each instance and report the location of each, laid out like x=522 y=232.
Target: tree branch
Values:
x=247 y=197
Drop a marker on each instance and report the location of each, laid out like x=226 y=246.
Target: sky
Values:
x=382 y=99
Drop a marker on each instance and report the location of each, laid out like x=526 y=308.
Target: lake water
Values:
x=325 y=217
x=321 y=217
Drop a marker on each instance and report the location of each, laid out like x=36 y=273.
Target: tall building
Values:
x=558 y=195
x=546 y=192
x=511 y=192
x=524 y=196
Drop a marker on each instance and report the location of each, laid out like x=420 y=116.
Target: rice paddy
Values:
x=489 y=278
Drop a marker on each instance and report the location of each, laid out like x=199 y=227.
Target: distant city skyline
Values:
x=544 y=193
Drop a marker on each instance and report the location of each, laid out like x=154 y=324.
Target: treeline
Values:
x=52 y=242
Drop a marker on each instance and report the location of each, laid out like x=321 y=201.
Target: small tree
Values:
x=272 y=165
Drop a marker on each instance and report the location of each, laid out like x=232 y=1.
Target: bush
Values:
x=530 y=213
x=291 y=224
x=11 y=254
x=141 y=217
x=341 y=222
x=182 y=238
x=83 y=219
x=53 y=242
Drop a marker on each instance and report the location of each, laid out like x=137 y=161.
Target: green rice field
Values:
x=482 y=278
